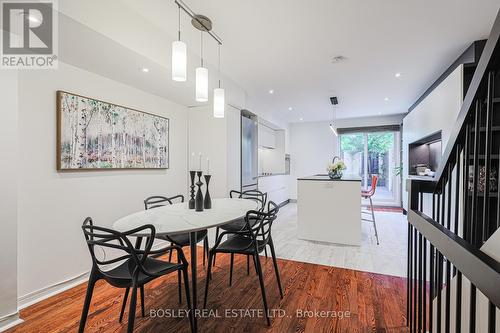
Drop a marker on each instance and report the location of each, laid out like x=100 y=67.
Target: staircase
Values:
x=454 y=220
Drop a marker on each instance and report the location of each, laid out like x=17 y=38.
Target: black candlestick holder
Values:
x=191 y=200
x=199 y=196
x=207 y=203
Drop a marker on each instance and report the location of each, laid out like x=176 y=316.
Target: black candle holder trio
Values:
x=197 y=202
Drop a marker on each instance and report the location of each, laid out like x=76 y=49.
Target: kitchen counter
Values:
x=426 y=178
x=329 y=210
x=324 y=177
x=273 y=174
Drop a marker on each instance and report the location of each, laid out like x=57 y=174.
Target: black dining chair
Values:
x=123 y=265
x=261 y=199
x=251 y=241
x=181 y=240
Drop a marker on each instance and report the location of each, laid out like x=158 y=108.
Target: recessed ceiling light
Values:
x=301 y=119
x=290 y=108
x=145 y=70
x=386 y=99
x=271 y=91
x=380 y=113
x=397 y=75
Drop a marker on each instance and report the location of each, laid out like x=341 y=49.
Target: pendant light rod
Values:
x=332 y=125
x=203 y=22
x=179 y=22
x=201 y=47
x=218 y=69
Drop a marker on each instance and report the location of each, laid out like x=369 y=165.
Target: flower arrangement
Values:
x=335 y=168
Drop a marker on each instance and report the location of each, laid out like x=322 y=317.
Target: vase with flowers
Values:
x=335 y=168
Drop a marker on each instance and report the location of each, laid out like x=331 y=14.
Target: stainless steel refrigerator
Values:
x=249 y=151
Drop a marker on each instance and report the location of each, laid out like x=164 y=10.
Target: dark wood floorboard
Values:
x=376 y=303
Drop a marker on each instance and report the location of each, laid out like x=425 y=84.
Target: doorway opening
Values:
x=374 y=152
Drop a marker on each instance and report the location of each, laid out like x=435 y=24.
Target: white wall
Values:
x=52 y=205
x=8 y=194
x=380 y=120
x=207 y=135
x=218 y=139
x=233 y=120
x=437 y=112
x=313 y=145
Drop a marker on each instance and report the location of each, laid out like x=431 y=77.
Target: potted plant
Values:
x=335 y=168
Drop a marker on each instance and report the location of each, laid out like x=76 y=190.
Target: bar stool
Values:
x=368 y=195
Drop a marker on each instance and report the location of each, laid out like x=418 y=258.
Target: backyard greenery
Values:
x=378 y=143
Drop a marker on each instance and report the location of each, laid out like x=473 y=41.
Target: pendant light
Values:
x=179 y=57
x=219 y=97
x=201 y=79
x=332 y=128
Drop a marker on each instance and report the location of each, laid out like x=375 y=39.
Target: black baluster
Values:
x=475 y=165
x=448 y=263
x=431 y=287
x=466 y=160
x=408 y=277
x=472 y=309
x=419 y=282
x=424 y=291
x=458 y=300
x=487 y=167
x=439 y=286
x=415 y=262
x=431 y=268
x=492 y=311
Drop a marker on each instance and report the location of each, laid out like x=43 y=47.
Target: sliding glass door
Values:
x=374 y=153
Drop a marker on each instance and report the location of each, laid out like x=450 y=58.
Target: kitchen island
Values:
x=329 y=210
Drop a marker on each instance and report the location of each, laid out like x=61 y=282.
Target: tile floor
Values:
x=387 y=258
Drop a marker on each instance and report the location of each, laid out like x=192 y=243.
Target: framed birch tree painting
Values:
x=97 y=135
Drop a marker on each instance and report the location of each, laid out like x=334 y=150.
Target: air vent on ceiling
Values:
x=338 y=59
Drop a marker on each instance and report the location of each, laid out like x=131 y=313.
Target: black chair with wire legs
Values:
x=123 y=265
x=261 y=199
x=251 y=241
x=181 y=240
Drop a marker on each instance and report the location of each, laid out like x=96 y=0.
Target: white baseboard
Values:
x=44 y=293
x=10 y=321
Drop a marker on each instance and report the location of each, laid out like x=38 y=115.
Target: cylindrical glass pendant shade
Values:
x=179 y=61
x=219 y=102
x=201 y=84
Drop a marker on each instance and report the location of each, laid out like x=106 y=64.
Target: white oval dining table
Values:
x=178 y=218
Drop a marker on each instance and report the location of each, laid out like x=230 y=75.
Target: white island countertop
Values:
x=324 y=177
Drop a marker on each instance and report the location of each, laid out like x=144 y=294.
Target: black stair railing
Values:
x=452 y=216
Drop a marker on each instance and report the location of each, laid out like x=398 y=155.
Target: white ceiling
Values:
x=287 y=46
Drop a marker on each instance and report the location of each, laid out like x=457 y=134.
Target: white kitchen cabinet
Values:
x=276 y=187
x=267 y=137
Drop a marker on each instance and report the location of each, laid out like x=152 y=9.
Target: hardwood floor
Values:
x=369 y=302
